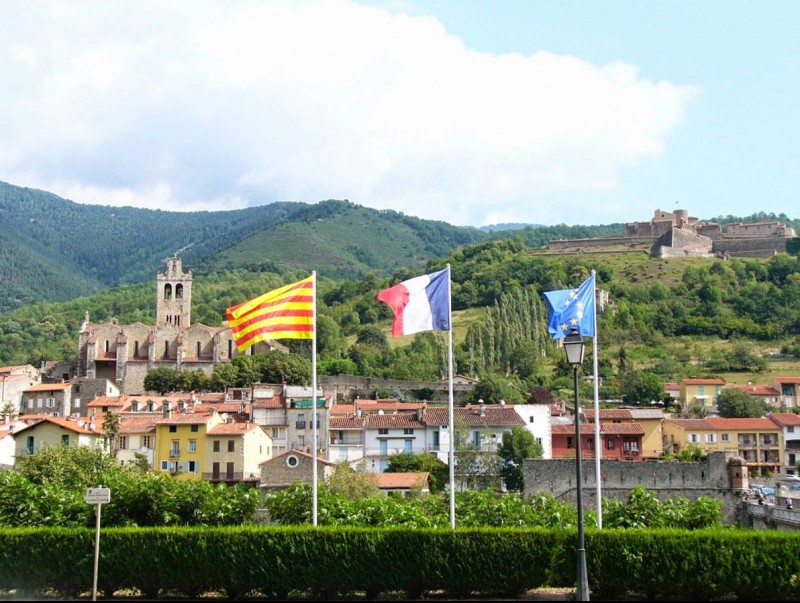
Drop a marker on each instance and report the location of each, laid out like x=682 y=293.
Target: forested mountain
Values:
x=55 y=250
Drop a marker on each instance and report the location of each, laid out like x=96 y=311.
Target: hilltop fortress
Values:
x=676 y=234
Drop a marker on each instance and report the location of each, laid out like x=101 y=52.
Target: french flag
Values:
x=420 y=304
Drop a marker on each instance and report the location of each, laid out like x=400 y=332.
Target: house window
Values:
x=29 y=445
x=215 y=470
x=123 y=442
x=408 y=431
x=173 y=429
x=710 y=438
x=195 y=428
x=231 y=446
x=215 y=446
x=147 y=442
x=191 y=467
x=590 y=444
x=408 y=446
x=192 y=445
x=275 y=432
x=383 y=431
x=51 y=402
x=175 y=449
x=790 y=429
x=436 y=440
x=65 y=440
x=609 y=443
x=229 y=471
x=724 y=437
x=570 y=442
x=694 y=438
x=30 y=404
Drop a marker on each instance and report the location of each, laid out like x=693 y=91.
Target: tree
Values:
x=733 y=402
x=162 y=380
x=517 y=445
x=405 y=463
x=351 y=483
x=640 y=387
x=278 y=367
x=111 y=427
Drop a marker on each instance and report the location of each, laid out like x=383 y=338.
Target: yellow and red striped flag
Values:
x=285 y=313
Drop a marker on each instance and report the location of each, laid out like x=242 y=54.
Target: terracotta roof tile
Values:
x=390 y=481
x=784 y=419
x=389 y=421
x=759 y=423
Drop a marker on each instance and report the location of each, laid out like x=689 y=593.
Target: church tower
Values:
x=174 y=295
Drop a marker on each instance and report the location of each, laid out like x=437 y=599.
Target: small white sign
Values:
x=97 y=496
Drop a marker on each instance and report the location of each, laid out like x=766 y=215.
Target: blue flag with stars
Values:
x=571 y=309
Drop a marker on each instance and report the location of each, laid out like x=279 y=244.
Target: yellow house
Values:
x=234 y=452
x=679 y=434
x=181 y=442
x=759 y=441
x=701 y=392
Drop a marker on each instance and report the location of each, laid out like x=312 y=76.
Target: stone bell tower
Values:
x=174 y=295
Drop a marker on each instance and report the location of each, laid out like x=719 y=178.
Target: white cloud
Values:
x=218 y=105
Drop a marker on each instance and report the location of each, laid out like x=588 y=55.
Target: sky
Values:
x=474 y=112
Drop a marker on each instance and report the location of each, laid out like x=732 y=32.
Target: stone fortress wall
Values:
x=676 y=234
x=716 y=477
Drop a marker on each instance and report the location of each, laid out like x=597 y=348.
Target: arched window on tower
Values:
x=135 y=349
x=198 y=349
x=178 y=291
x=167 y=291
x=166 y=349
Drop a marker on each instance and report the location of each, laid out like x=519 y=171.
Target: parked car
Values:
x=792 y=478
x=765 y=490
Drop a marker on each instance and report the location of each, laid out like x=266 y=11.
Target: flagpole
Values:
x=314 y=397
x=451 y=421
x=598 y=444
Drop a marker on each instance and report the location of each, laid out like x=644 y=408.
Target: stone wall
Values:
x=347 y=388
x=750 y=246
x=711 y=478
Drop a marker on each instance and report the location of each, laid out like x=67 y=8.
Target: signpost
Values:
x=97 y=496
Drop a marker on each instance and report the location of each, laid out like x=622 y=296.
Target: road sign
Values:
x=97 y=496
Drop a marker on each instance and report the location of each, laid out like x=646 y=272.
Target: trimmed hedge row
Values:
x=332 y=562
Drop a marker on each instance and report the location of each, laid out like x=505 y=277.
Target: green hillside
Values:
x=343 y=240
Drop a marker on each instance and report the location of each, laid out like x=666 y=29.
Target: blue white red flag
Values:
x=420 y=304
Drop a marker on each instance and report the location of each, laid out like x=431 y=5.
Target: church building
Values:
x=124 y=354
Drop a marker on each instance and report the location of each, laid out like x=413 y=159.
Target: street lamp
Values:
x=574 y=347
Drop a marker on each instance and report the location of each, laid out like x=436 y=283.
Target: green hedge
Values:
x=331 y=562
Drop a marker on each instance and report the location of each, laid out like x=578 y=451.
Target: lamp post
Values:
x=574 y=347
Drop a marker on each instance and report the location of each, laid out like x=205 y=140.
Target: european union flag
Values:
x=571 y=308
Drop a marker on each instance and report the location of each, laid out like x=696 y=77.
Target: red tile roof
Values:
x=394 y=481
x=610 y=414
x=392 y=421
x=702 y=381
x=742 y=423
x=233 y=428
x=133 y=424
x=784 y=419
x=697 y=424
x=46 y=387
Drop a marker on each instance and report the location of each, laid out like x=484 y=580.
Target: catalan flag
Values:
x=285 y=313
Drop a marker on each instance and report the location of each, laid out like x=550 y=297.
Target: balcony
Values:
x=175 y=453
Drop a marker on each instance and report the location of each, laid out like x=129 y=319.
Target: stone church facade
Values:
x=124 y=354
